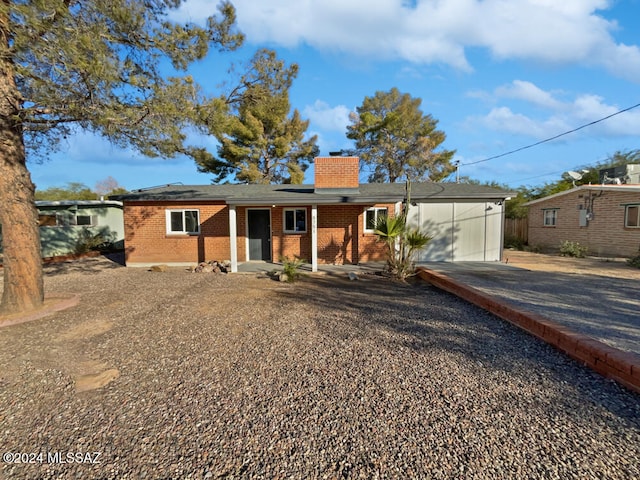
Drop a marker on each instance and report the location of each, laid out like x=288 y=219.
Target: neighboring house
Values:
x=64 y=224
x=330 y=222
x=604 y=218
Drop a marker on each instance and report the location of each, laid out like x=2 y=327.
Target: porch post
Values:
x=314 y=238
x=233 y=239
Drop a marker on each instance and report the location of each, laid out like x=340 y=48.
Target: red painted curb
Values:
x=63 y=301
x=621 y=366
x=68 y=258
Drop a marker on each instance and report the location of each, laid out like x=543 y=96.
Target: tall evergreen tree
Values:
x=94 y=65
x=397 y=141
x=260 y=142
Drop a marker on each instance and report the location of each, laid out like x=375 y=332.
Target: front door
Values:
x=259 y=225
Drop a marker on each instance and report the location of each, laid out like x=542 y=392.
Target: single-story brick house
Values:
x=63 y=224
x=604 y=218
x=329 y=222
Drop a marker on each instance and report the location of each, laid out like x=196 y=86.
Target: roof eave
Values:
x=322 y=199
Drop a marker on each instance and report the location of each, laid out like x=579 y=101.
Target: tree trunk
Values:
x=23 y=284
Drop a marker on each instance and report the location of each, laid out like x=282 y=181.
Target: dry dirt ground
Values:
x=556 y=263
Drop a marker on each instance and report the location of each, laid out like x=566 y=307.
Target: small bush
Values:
x=513 y=241
x=88 y=241
x=291 y=268
x=572 y=249
x=634 y=261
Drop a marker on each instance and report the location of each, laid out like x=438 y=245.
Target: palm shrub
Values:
x=88 y=240
x=402 y=243
x=291 y=268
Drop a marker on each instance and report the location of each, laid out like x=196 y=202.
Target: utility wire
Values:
x=553 y=138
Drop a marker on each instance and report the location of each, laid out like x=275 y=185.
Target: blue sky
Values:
x=498 y=75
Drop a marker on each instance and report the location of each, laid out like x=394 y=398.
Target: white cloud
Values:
x=503 y=119
x=327 y=118
x=546 y=31
x=529 y=92
x=561 y=116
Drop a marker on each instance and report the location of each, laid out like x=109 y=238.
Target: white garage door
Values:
x=464 y=231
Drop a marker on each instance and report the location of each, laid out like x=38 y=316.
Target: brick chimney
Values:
x=336 y=174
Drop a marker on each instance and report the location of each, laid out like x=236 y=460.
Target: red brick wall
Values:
x=291 y=245
x=605 y=234
x=341 y=237
x=336 y=172
x=147 y=241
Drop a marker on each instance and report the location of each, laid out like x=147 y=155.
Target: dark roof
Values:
x=306 y=194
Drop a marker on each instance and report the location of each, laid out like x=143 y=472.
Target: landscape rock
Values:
x=212 y=266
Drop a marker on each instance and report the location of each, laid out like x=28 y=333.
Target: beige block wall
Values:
x=605 y=235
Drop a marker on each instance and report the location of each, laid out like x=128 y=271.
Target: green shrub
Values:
x=572 y=249
x=291 y=268
x=634 y=261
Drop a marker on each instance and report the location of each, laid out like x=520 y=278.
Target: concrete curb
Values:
x=621 y=366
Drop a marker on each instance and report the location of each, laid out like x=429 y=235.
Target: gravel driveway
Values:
x=237 y=376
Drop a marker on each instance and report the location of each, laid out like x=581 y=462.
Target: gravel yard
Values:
x=238 y=376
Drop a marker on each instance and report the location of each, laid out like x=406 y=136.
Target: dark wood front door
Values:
x=259 y=223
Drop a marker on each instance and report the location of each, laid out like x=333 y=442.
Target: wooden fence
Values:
x=517 y=229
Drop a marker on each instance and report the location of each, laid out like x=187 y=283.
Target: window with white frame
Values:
x=371 y=216
x=295 y=220
x=550 y=217
x=183 y=222
x=632 y=216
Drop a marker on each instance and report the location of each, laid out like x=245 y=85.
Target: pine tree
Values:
x=260 y=141
x=94 y=65
x=397 y=141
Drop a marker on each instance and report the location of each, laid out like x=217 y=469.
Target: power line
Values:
x=553 y=138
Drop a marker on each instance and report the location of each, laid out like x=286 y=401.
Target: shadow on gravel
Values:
x=424 y=318
x=86 y=265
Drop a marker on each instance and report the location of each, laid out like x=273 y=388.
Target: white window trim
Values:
x=626 y=216
x=373 y=209
x=168 y=213
x=555 y=217
x=294 y=210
